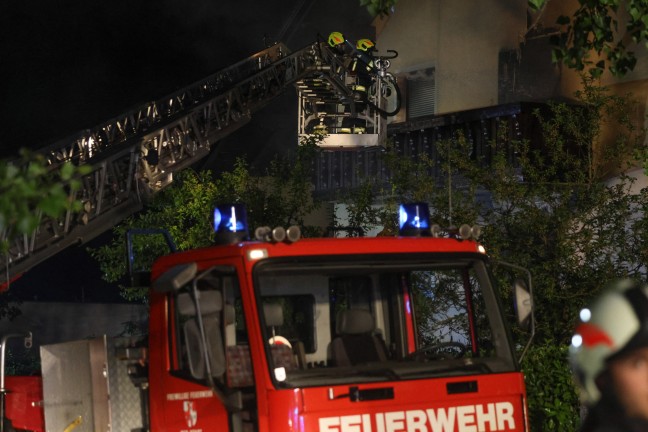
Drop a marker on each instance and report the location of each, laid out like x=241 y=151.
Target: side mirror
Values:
x=175 y=278
x=142 y=277
x=523 y=303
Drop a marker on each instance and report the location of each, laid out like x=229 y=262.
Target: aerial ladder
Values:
x=136 y=154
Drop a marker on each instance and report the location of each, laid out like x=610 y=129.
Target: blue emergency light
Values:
x=230 y=223
x=414 y=220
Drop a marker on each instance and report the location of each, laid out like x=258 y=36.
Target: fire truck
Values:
x=283 y=333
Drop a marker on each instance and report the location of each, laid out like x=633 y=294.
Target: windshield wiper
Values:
x=442 y=368
x=390 y=374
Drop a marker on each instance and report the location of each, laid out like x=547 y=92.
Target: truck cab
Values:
x=379 y=334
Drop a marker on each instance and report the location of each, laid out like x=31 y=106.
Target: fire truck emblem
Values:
x=190 y=413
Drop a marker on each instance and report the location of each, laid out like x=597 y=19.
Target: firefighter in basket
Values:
x=609 y=357
x=359 y=62
x=358 y=58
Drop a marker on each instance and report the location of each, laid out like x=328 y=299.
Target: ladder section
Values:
x=137 y=153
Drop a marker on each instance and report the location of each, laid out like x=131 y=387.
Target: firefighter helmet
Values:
x=365 y=45
x=616 y=324
x=335 y=39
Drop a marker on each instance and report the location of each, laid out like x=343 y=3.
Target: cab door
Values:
x=209 y=360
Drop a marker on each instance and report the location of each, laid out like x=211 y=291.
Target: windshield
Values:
x=346 y=319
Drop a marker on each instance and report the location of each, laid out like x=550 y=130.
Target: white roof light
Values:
x=255 y=254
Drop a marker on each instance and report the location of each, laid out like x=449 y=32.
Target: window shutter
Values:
x=421 y=97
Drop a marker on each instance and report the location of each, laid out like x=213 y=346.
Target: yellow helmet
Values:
x=335 y=39
x=365 y=45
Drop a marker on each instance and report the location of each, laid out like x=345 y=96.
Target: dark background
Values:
x=70 y=64
x=67 y=65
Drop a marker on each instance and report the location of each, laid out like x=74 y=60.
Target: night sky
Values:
x=67 y=65
x=70 y=64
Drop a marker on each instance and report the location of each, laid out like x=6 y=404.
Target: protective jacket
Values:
x=608 y=416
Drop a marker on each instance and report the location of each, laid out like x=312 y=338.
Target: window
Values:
x=421 y=93
x=448 y=304
x=297 y=322
x=348 y=293
x=372 y=318
x=211 y=302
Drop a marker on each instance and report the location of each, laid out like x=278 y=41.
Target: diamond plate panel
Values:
x=125 y=398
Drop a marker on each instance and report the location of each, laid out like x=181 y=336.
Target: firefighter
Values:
x=337 y=42
x=361 y=56
x=364 y=62
x=609 y=357
x=359 y=62
x=363 y=65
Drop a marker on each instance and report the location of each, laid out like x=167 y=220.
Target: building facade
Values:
x=460 y=56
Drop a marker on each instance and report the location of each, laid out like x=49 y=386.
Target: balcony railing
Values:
x=498 y=125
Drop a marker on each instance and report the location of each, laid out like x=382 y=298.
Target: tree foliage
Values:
x=553 y=402
x=379 y=7
x=282 y=196
x=599 y=35
x=29 y=191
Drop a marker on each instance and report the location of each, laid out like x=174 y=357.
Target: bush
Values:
x=552 y=395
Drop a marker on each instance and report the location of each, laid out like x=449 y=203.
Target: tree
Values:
x=378 y=7
x=29 y=190
x=599 y=35
x=282 y=196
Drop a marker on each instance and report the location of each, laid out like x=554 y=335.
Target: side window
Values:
x=216 y=315
x=237 y=349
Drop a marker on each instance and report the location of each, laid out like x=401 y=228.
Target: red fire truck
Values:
x=382 y=334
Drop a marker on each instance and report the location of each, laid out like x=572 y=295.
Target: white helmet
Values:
x=616 y=324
